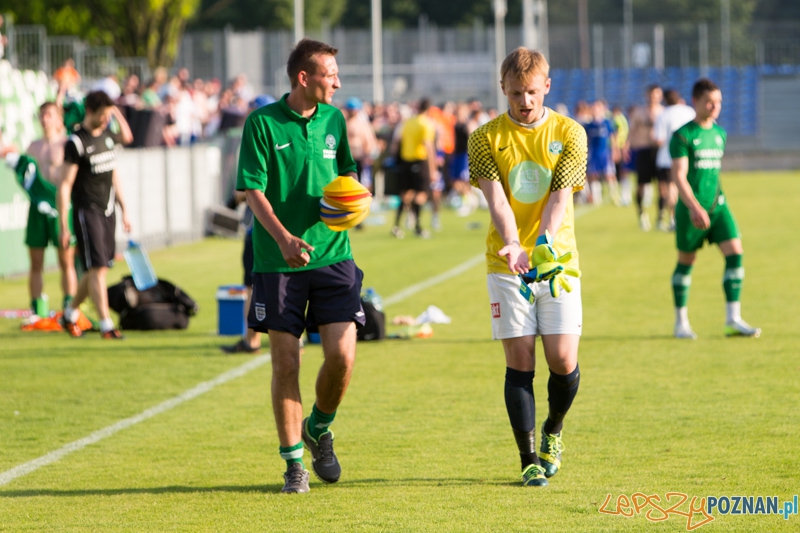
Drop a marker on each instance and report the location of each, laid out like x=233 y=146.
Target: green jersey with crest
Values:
x=290 y=158
x=704 y=148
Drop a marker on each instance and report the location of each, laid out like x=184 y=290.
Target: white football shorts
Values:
x=513 y=316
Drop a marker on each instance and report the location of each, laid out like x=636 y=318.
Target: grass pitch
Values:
x=423 y=435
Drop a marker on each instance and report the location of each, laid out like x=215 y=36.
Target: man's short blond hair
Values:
x=523 y=63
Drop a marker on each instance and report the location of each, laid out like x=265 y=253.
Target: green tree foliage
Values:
x=145 y=28
x=463 y=12
x=268 y=14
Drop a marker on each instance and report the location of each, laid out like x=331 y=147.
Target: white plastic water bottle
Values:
x=374 y=298
x=144 y=277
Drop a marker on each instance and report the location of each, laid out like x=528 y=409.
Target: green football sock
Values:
x=318 y=422
x=681 y=281
x=292 y=454
x=733 y=278
x=67 y=302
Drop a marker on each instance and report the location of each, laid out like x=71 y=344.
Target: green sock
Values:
x=733 y=278
x=67 y=301
x=33 y=306
x=681 y=281
x=292 y=454
x=318 y=422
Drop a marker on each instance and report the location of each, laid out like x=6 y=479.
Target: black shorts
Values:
x=95 y=235
x=294 y=301
x=247 y=259
x=664 y=174
x=414 y=176
x=646 y=164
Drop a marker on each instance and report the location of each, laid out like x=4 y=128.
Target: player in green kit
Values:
x=38 y=172
x=702 y=213
x=291 y=150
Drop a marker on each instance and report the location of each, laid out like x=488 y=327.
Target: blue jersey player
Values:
x=600 y=135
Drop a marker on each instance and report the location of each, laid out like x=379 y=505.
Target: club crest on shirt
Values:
x=529 y=182
x=330 y=152
x=261 y=311
x=555 y=147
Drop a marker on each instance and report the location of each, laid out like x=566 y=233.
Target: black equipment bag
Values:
x=375 y=327
x=164 y=306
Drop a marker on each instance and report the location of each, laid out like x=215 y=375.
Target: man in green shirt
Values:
x=290 y=150
x=702 y=213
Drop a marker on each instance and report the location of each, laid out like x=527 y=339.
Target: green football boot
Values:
x=550 y=452
x=740 y=328
x=533 y=476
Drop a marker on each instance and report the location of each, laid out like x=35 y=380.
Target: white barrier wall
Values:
x=167 y=192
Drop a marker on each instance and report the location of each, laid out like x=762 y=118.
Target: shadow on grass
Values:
x=616 y=338
x=82 y=346
x=264 y=489
x=463 y=340
x=172 y=489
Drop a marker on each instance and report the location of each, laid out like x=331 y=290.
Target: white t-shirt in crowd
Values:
x=666 y=124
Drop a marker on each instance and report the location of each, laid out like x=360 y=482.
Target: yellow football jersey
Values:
x=416 y=131
x=530 y=162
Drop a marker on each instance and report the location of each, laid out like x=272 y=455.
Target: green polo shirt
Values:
x=291 y=158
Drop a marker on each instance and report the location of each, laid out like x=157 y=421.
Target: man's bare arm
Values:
x=68 y=173
x=294 y=249
x=680 y=172
x=506 y=224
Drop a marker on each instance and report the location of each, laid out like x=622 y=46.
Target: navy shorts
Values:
x=294 y=301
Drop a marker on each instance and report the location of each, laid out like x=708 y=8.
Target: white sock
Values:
x=70 y=314
x=597 y=192
x=682 y=316
x=626 y=189
x=733 y=310
x=106 y=325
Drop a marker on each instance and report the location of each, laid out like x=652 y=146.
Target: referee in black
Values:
x=90 y=180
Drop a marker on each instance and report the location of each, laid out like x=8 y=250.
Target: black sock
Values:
x=639 y=199
x=561 y=390
x=662 y=203
x=522 y=413
x=415 y=208
x=399 y=213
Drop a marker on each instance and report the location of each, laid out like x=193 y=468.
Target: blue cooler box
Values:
x=230 y=310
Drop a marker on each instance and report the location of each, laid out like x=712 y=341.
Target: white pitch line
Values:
x=202 y=388
x=435 y=280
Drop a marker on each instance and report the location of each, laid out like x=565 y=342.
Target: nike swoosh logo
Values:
x=281 y=146
x=503 y=148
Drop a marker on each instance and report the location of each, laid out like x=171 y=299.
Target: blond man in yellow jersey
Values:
x=528 y=162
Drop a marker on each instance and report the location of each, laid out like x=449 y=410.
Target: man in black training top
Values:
x=90 y=180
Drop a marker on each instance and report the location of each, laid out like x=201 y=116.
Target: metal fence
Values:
x=411 y=53
x=30 y=48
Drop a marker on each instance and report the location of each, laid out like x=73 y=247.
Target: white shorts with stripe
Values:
x=513 y=316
